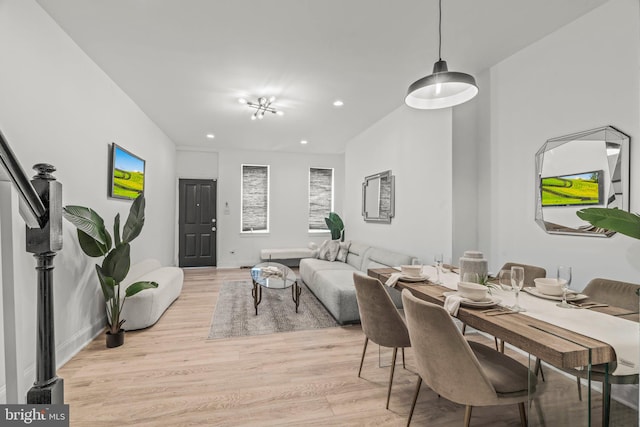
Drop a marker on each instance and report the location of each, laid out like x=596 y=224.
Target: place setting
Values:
x=471 y=295
x=408 y=273
x=558 y=289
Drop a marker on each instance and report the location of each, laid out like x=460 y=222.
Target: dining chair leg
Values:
x=538 y=369
x=364 y=350
x=464 y=328
x=403 y=365
x=523 y=414
x=467 y=415
x=393 y=366
x=579 y=388
x=497 y=344
x=501 y=346
x=415 y=399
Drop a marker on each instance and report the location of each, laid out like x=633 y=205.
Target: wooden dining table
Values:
x=553 y=344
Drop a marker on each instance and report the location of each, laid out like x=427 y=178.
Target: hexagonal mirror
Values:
x=584 y=169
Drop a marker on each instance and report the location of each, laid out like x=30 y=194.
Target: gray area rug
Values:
x=235 y=316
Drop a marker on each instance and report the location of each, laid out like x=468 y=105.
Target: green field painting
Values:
x=570 y=190
x=128 y=174
x=127 y=184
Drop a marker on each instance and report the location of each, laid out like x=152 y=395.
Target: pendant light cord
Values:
x=440 y=30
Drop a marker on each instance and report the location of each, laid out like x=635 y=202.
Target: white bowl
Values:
x=472 y=291
x=549 y=286
x=411 y=270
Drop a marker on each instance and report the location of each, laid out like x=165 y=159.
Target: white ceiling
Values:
x=185 y=63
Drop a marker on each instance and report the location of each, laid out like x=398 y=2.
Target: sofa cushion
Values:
x=332 y=282
x=310 y=266
x=334 y=288
x=336 y=291
x=381 y=258
x=356 y=254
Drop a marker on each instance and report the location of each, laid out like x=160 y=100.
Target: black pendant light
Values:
x=442 y=88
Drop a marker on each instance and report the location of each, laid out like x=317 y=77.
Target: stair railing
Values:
x=41 y=210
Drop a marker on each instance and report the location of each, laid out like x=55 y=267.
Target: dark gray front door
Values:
x=197 y=222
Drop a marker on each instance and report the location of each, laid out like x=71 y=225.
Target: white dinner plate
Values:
x=414 y=278
x=571 y=296
x=488 y=302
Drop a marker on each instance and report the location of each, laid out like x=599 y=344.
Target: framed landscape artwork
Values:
x=126 y=174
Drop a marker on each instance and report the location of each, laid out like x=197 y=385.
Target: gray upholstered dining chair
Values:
x=380 y=319
x=462 y=371
x=616 y=294
x=531 y=272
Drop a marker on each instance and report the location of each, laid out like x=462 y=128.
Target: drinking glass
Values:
x=471 y=277
x=563 y=275
x=517 y=280
x=504 y=279
x=437 y=259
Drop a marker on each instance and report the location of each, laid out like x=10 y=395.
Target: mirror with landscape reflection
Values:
x=378 y=197
x=584 y=169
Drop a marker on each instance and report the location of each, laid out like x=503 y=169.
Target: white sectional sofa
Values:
x=332 y=281
x=145 y=308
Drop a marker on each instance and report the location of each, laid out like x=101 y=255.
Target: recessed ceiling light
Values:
x=210 y=136
x=303 y=142
x=338 y=103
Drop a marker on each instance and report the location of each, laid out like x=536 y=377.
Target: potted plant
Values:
x=335 y=225
x=96 y=242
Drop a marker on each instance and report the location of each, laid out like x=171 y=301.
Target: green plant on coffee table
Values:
x=96 y=242
x=335 y=225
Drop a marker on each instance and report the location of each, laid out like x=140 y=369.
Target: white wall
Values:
x=464 y=179
x=58 y=107
x=191 y=164
x=583 y=76
x=288 y=203
x=416 y=146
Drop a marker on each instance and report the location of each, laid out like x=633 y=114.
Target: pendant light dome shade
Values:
x=441 y=89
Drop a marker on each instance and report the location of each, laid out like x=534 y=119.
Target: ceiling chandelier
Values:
x=442 y=88
x=263 y=105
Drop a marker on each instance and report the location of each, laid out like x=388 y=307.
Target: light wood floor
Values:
x=171 y=375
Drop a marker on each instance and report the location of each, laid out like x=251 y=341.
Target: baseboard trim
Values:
x=78 y=341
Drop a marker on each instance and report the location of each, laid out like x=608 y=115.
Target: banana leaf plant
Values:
x=614 y=219
x=335 y=225
x=96 y=242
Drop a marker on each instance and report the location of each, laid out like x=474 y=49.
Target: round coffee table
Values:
x=275 y=276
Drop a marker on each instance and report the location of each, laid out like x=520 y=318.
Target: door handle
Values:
x=213 y=229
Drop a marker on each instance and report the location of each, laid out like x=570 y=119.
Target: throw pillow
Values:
x=334 y=247
x=323 y=250
x=343 y=251
x=315 y=249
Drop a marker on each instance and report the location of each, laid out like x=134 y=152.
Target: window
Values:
x=255 y=198
x=320 y=197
